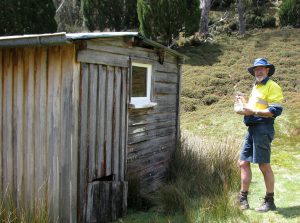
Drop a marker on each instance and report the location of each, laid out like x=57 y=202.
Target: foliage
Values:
x=68 y=15
x=24 y=17
x=260 y=18
x=201 y=171
x=289 y=14
x=13 y=213
x=164 y=20
x=113 y=15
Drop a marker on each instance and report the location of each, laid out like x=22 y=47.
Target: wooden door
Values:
x=103 y=138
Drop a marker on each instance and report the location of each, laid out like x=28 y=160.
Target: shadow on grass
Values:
x=205 y=54
x=289 y=212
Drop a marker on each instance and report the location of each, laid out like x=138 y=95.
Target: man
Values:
x=263 y=107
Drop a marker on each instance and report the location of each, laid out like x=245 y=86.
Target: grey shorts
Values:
x=257 y=145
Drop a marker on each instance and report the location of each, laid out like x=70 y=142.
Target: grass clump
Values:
x=203 y=175
x=11 y=212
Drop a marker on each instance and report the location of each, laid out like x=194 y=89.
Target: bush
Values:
x=188 y=105
x=210 y=99
x=260 y=18
x=289 y=13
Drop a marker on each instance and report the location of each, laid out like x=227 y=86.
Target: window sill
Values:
x=142 y=105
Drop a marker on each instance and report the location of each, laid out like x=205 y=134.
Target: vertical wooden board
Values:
x=83 y=136
x=93 y=82
x=101 y=113
x=1 y=114
x=18 y=124
x=54 y=128
x=66 y=126
x=123 y=123
x=109 y=119
x=116 y=130
x=29 y=125
x=7 y=121
x=178 y=104
x=40 y=96
x=75 y=140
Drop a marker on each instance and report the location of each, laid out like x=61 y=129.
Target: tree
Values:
x=27 y=16
x=205 y=8
x=165 y=19
x=289 y=13
x=241 y=12
x=68 y=15
x=130 y=20
x=113 y=15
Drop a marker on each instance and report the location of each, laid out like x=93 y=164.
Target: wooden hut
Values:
x=80 y=114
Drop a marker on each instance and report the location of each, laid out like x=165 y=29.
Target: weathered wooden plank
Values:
x=165 y=88
x=166 y=100
x=18 y=124
x=66 y=131
x=123 y=127
x=162 y=77
x=149 y=165
x=116 y=125
x=109 y=119
x=29 y=85
x=151 y=134
x=178 y=104
x=1 y=117
x=92 y=56
x=151 y=145
x=7 y=120
x=75 y=139
x=146 y=119
x=83 y=150
x=166 y=67
x=54 y=119
x=146 y=148
x=133 y=52
x=101 y=127
x=150 y=126
x=93 y=84
x=40 y=96
x=158 y=109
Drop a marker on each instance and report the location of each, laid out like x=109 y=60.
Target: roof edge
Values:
x=63 y=38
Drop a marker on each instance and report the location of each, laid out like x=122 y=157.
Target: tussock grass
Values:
x=17 y=212
x=203 y=175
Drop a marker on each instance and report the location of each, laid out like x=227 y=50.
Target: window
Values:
x=141 y=85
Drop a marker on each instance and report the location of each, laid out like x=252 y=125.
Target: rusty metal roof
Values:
x=63 y=38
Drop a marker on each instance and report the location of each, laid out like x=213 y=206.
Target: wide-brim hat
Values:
x=262 y=62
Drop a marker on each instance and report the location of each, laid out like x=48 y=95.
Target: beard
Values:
x=259 y=79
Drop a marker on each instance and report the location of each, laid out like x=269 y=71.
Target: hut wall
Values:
x=39 y=95
x=152 y=132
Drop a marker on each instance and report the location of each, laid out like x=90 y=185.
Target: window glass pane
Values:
x=139 y=81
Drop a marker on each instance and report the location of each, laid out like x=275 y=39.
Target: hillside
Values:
x=214 y=71
x=212 y=74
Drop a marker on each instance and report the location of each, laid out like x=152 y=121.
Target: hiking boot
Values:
x=243 y=200
x=267 y=205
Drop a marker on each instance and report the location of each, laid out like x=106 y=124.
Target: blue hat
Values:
x=262 y=62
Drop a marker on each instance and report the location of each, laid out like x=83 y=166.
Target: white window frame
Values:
x=143 y=102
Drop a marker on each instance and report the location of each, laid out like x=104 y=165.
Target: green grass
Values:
x=216 y=70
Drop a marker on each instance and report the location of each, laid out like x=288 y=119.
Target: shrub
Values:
x=210 y=99
x=260 y=18
x=289 y=13
x=188 y=105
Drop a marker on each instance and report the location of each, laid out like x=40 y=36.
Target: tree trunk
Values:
x=241 y=11
x=68 y=16
x=205 y=8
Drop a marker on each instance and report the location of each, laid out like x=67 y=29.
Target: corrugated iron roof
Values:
x=63 y=38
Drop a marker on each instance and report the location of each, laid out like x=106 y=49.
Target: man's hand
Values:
x=246 y=112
